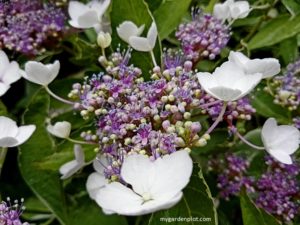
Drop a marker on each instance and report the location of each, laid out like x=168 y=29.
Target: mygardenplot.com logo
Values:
x=185 y=219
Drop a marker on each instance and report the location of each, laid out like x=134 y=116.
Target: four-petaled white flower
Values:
x=60 y=129
x=268 y=67
x=70 y=168
x=97 y=179
x=145 y=44
x=41 y=74
x=9 y=73
x=228 y=82
x=231 y=10
x=89 y=15
x=155 y=185
x=280 y=141
x=128 y=29
x=11 y=135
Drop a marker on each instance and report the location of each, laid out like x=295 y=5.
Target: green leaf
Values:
x=138 y=12
x=169 y=15
x=275 y=31
x=252 y=215
x=289 y=50
x=3 y=110
x=293 y=6
x=153 y=4
x=263 y=103
x=45 y=184
x=197 y=202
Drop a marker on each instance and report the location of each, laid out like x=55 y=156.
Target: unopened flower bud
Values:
x=103 y=39
x=201 y=142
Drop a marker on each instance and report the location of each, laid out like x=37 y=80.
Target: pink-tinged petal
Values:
x=8 y=127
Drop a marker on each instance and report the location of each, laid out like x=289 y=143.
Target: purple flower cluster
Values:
x=278 y=190
x=28 y=26
x=135 y=116
x=232 y=175
x=204 y=37
x=296 y=121
x=147 y=117
x=10 y=214
x=288 y=87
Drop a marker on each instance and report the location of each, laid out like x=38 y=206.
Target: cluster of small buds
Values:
x=240 y=109
x=10 y=213
x=153 y=117
x=204 y=37
x=231 y=176
x=278 y=190
x=288 y=87
x=29 y=26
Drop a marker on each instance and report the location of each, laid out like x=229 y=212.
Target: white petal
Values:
x=224 y=93
x=247 y=83
x=79 y=154
x=127 y=29
x=269 y=131
x=117 y=198
x=288 y=139
x=69 y=168
x=268 y=67
x=140 y=44
x=12 y=73
x=282 y=157
x=173 y=173
x=239 y=9
x=100 y=7
x=39 y=73
x=138 y=171
x=60 y=129
x=88 y=19
x=221 y=11
x=4 y=62
x=24 y=133
x=8 y=127
x=8 y=142
x=75 y=9
x=152 y=35
x=100 y=164
x=238 y=58
x=3 y=88
x=94 y=182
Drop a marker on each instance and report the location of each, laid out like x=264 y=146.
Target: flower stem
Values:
x=243 y=139
x=103 y=52
x=81 y=142
x=57 y=97
x=3 y=152
x=210 y=104
x=153 y=58
x=218 y=120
